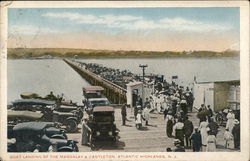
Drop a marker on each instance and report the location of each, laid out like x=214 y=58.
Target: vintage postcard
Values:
x=124 y=80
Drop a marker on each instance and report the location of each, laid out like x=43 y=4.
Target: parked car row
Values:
x=39 y=137
x=25 y=110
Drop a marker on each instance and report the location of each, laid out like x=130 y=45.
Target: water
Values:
x=43 y=76
x=205 y=69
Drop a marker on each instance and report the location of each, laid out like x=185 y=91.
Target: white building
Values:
x=218 y=95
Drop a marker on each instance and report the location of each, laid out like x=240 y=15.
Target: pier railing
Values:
x=113 y=92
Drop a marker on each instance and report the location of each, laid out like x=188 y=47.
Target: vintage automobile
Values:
x=103 y=124
x=50 y=97
x=92 y=92
x=47 y=111
x=40 y=136
x=77 y=110
x=93 y=102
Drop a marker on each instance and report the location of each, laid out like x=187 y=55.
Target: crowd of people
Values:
x=116 y=76
x=174 y=103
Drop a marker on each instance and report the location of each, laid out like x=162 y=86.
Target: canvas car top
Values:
x=24 y=114
x=92 y=88
x=32 y=102
x=98 y=99
x=32 y=126
x=103 y=109
x=68 y=107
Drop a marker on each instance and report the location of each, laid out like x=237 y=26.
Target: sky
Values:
x=151 y=29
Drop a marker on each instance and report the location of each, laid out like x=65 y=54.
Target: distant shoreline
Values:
x=48 y=53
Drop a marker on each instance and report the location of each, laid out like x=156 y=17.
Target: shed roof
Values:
x=225 y=81
x=134 y=83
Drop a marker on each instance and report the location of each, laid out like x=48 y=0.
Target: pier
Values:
x=115 y=93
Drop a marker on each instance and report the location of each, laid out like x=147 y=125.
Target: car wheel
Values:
x=76 y=148
x=114 y=139
x=71 y=126
x=80 y=114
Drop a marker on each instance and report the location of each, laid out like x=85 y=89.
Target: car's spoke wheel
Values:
x=71 y=126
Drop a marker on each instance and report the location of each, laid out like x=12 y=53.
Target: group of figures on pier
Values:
x=197 y=127
x=175 y=103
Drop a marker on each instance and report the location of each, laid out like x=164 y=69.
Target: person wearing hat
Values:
x=179 y=131
x=136 y=110
x=86 y=131
x=158 y=104
x=228 y=137
x=210 y=113
x=196 y=140
x=178 y=147
x=236 y=134
x=170 y=124
x=230 y=120
x=146 y=115
x=211 y=141
x=188 y=130
x=138 y=121
x=203 y=130
x=183 y=105
x=139 y=100
x=213 y=126
x=124 y=114
x=146 y=103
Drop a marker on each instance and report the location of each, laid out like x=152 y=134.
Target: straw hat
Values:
x=177 y=141
x=236 y=122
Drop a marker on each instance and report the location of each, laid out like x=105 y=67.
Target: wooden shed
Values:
x=219 y=95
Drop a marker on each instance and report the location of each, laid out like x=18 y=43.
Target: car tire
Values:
x=80 y=114
x=71 y=125
x=114 y=139
x=76 y=148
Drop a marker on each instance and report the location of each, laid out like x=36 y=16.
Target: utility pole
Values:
x=143 y=78
x=143 y=70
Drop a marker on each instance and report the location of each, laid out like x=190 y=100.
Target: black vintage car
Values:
x=21 y=111
x=40 y=137
x=103 y=124
x=92 y=92
x=93 y=102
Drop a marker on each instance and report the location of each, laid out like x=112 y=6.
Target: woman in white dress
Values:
x=230 y=121
x=211 y=142
x=203 y=131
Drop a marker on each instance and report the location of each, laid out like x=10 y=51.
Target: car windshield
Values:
x=93 y=95
x=99 y=103
x=103 y=117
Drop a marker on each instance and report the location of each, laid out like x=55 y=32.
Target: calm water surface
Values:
x=43 y=76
